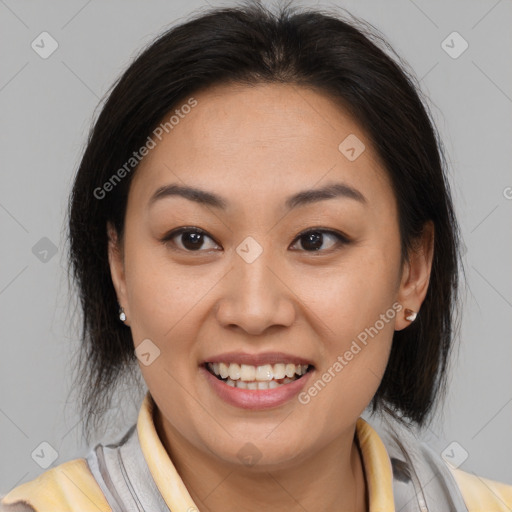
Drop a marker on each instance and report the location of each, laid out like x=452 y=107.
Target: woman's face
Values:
x=271 y=272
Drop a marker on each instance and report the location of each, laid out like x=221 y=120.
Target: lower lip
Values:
x=256 y=398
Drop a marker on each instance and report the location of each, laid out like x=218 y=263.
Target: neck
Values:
x=330 y=480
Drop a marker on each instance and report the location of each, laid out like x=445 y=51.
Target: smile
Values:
x=267 y=376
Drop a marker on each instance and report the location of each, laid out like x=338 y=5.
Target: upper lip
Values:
x=257 y=359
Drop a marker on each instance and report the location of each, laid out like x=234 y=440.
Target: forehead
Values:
x=262 y=141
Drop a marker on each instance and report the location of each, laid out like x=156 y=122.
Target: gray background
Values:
x=46 y=109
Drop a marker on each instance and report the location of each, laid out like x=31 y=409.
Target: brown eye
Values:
x=189 y=239
x=192 y=239
x=314 y=240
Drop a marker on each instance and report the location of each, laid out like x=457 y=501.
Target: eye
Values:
x=313 y=239
x=193 y=239
x=189 y=239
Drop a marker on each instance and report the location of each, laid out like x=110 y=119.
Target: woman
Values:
x=261 y=222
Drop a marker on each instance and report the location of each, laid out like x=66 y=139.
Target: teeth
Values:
x=279 y=371
x=257 y=377
x=255 y=384
x=264 y=372
x=234 y=371
x=247 y=372
x=223 y=370
x=290 y=370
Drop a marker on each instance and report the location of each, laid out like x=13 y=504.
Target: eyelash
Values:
x=342 y=240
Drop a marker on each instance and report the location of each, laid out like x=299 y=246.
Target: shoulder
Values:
x=68 y=487
x=423 y=475
x=483 y=494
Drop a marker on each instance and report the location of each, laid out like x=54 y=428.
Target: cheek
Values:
x=356 y=308
x=166 y=309
x=161 y=293
x=352 y=367
x=350 y=296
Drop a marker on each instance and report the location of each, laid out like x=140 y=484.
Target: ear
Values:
x=416 y=275
x=116 y=263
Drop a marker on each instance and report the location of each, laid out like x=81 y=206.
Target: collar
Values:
x=376 y=463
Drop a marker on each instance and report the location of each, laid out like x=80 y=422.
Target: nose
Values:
x=255 y=296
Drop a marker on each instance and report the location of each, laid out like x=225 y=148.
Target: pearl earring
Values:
x=122 y=314
x=410 y=315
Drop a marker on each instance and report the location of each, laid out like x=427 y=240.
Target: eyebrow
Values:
x=305 y=197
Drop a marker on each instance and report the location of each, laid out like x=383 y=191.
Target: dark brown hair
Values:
x=248 y=44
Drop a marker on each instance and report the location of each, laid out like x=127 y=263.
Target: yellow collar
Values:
x=377 y=466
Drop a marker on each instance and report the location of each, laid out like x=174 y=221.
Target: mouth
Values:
x=266 y=376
